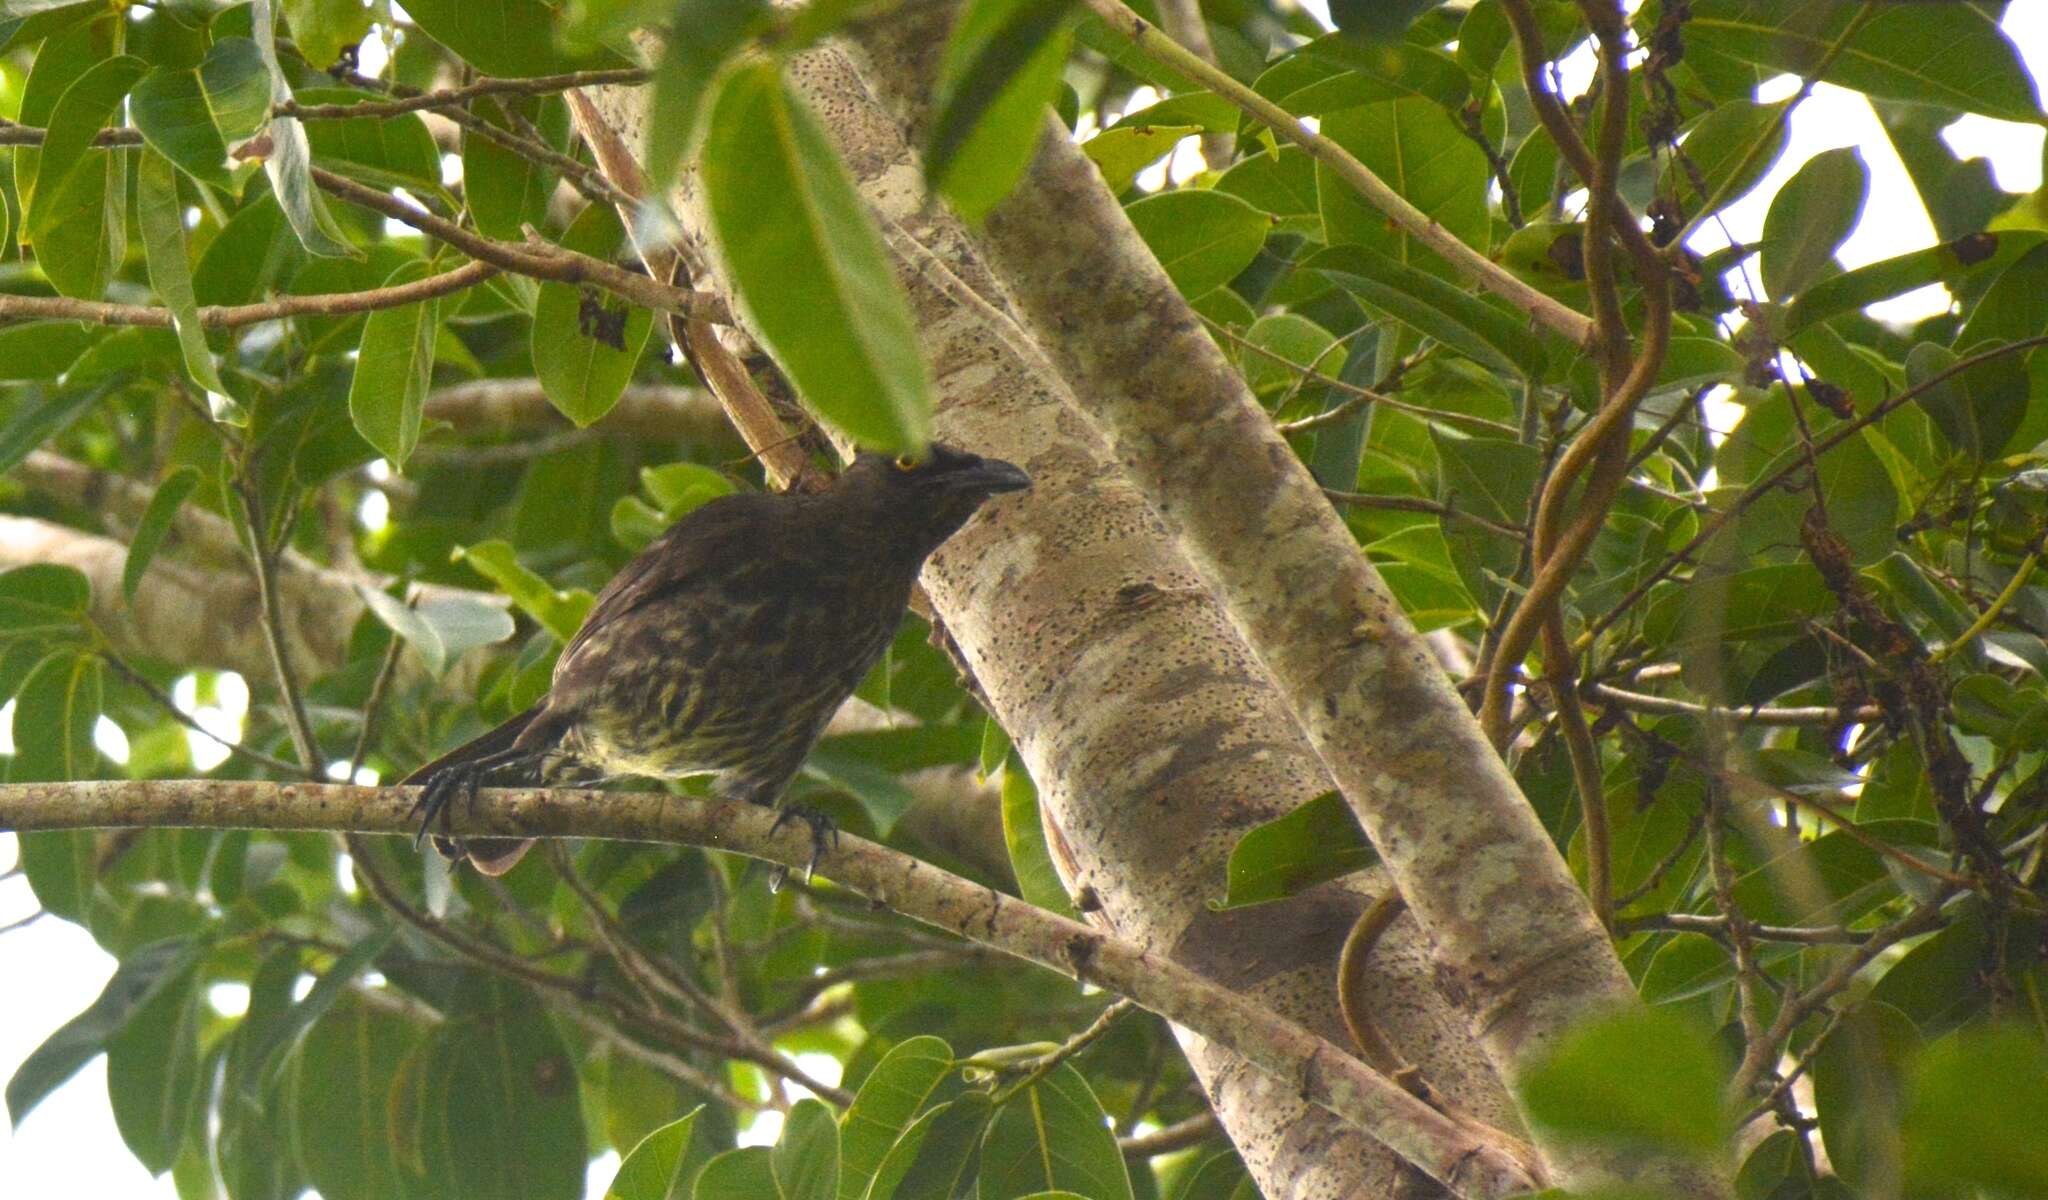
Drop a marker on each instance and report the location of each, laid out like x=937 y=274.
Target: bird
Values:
x=725 y=646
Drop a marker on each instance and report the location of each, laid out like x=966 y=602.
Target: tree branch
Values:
x=1471 y=1159
x=234 y=316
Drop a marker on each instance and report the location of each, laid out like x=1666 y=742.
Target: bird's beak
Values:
x=993 y=477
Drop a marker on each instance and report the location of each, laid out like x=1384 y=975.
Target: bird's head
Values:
x=931 y=494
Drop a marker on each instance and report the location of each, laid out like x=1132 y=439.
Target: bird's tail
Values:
x=492 y=856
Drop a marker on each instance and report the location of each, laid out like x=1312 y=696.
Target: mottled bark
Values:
x=1155 y=738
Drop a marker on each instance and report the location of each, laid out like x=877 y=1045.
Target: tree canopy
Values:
x=346 y=351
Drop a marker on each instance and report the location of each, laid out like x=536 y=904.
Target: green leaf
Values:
x=394 y=368
x=808 y=268
x=682 y=487
x=1956 y=263
x=194 y=117
x=137 y=980
x=1202 y=238
x=322 y=29
x=1858 y=1093
x=388 y=152
x=41 y=349
x=161 y=218
x=1590 y=1087
x=1372 y=22
x=1038 y=880
x=691 y=57
x=661 y=1166
x=1730 y=150
x=1977 y=410
x=290 y=161
x=43 y=598
x=1950 y=55
x=744 y=1174
x=153 y=1071
x=1493 y=478
x=498 y=1112
x=1809 y=218
x=1053 y=1136
x=1221 y=1177
x=1320 y=840
x=506 y=190
x=507 y=38
x=1333 y=73
x=806 y=1158
x=54 y=716
x=560 y=612
x=341 y=1100
x=999 y=72
x=585 y=341
x=1975 y=1111
x=885 y=1107
x=1434 y=308
x=1120 y=153
x=1420 y=152
x=440 y=626
x=928 y=1161
x=76 y=218
x=155 y=523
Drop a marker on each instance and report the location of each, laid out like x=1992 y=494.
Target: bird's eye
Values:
x=906 y=462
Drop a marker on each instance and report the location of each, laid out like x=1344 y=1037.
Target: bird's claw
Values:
x=433 y=803
x=824 y=836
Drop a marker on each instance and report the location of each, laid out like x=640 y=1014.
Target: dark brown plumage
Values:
x=726 y=645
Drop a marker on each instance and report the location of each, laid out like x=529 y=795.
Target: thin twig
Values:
x=234 y=316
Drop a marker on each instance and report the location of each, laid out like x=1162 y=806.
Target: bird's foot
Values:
x=824 y=836
x=432 y=805
x=464 y=778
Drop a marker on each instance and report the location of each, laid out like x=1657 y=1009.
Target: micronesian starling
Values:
x=727 y=644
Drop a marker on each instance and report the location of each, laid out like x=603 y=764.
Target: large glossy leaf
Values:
x=808 y=267
x=691 y=57
x=139 y=978
x=161 y=218
x=54 y=714
x=507 y=38
x=1589 y=1085
x=1202 y=238
x=1729 y=152
x=194 y=117
x=153 y=1071
x=561 y=612
x=1810 y=216
x=155 y=523
x=1953 y=55
x=1318 y=841
x=1416 y=148
x=440 y=627
x=660 y=1166
x=505 y=190
x=1978 y=410
x=1001 y=66
x=290 y=161
x=885 y=1107
x=498 y=1111
x=1434 y=308
x=1038 y=880
x=744 y=1174
x=1333 y=73
x=394 y=366
x=1054 y=1136
x=587 y=342
x=1974 y=1106
x=341 y=1087
x=75 y=219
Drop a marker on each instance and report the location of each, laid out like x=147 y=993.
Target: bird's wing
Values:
x=703 y=547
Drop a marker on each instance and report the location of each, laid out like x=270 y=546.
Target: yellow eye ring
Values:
x=905 y=462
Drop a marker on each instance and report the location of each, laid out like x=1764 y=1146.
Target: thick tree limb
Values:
x=1470 y=1159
